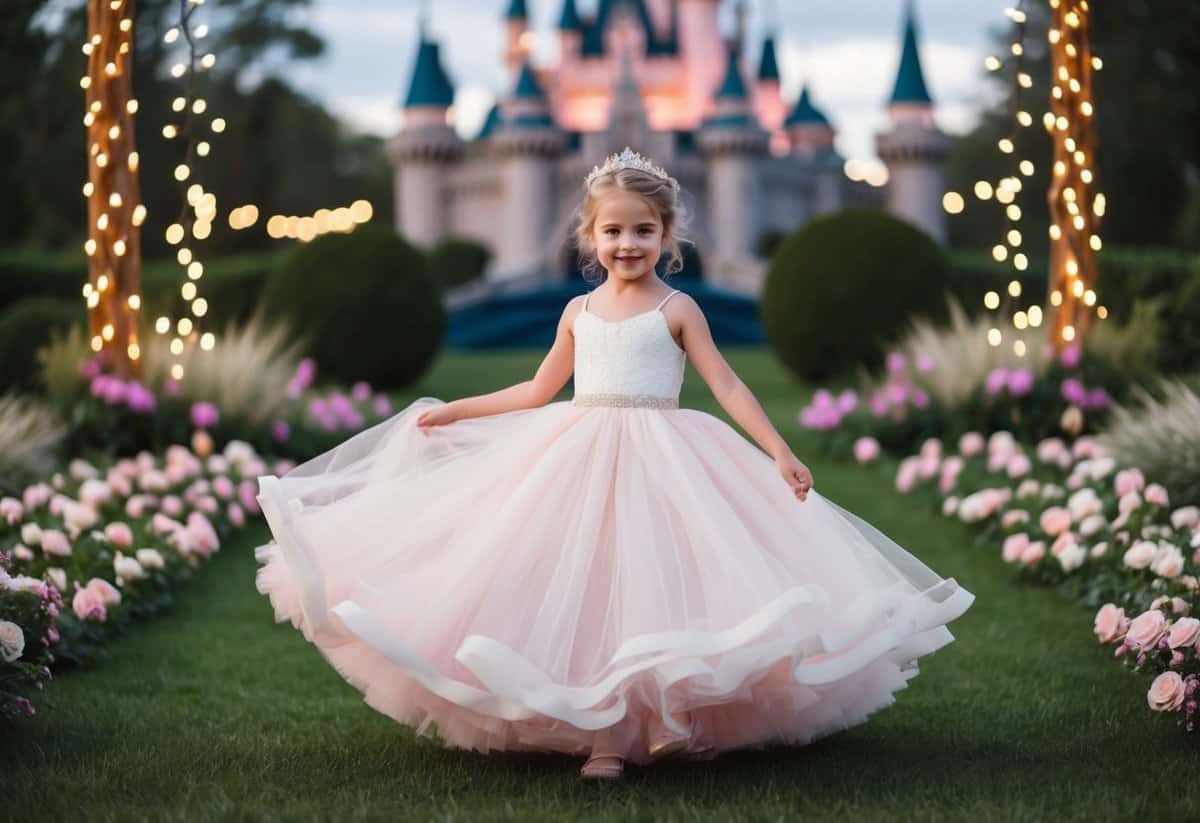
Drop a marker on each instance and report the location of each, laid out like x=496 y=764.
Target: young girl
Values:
x=610 y=576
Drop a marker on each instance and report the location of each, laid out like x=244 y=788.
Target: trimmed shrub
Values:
x=844 y=282
x=25 y=327
x=366 y=304
x=456 y=261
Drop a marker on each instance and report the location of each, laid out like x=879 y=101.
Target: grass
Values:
x=214 y=712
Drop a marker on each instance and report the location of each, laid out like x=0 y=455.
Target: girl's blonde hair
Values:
x=659 y=193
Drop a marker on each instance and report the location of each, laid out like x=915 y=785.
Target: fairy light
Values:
x=304 y=229
x=198 y=211
x=114 y=209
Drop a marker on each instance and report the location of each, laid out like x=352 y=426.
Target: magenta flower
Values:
x=91 y=367
x=204 y=415
x=1096 y=398
x=996 y=380
x=879 y=404
x=340 y=405
x=1020 y=382
x=383 y=406
x=139 y=398
x=171 y=387
x=1073 y=392
x=361 y=391
x=924 y=362
x=897 y=394
x=920 y=398
x=847 y=401
x=895 y=362
x=1070 y=355
x=281 y=431
x=114 y=391
x=305 y=372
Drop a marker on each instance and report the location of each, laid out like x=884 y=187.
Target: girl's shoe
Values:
x=705 y=752
x=603 y=767
x=666 y=742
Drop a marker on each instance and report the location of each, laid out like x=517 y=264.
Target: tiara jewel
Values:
x=630 y=159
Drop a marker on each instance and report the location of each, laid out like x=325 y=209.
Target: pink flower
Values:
x=55 y=542
x=1110 y=624
x=924 y=362
x=1018 y=466
x=119 y=534
x=1129 y=502
x=866 y=449
x=204 y=415
x=1184 y=632
x=139 y=398
x=906 y=475
x=203 y=535
x=1061 y=543
x=360 y=391
x=1033 y=553
x=236 y=515
x=1020 y=382
x=920 y=399
x=895 y=362
x=248 y=496
x=1129 y=480
x=1070 y=355
x=109 y=595
x=171 y=505
x=1156 y=495
x=1014 y=517
x=87 y=605
x=382 y=406
x=847 y=401
x=223 y=487
x=1166 y=692
x=1146 y=629
x=1014 y=547
x=281 y=431
x=1055 y=520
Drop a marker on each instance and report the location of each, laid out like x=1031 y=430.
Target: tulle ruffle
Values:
x=535 y=579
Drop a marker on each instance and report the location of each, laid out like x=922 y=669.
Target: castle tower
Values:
x=733 y=146
x=519 y=37
x=528 y=144
x=570 y=33
x=913 y=147
x=810 y=136
x=423 y=149
x=700 y=44
x=768 y=98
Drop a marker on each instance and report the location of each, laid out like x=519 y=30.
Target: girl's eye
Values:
x=645 y=231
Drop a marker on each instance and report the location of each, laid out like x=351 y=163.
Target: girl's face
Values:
x=628 y=235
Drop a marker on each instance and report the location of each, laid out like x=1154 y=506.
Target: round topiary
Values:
x=842 y=286
x=455 y=261
x=25 y=327
x=366 y=303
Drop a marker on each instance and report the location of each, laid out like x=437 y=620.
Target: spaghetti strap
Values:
x=585 y=299
x=665 y=299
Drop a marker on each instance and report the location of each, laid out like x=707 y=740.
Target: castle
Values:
x=658 y=76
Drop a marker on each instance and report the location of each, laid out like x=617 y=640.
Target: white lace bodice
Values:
x=634 y=357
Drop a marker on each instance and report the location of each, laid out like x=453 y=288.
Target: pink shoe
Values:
x=603 y=767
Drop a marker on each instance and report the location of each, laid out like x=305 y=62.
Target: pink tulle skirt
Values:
x=556 y=578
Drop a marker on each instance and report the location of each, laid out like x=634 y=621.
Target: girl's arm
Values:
x=734 y=396
x=551 y=376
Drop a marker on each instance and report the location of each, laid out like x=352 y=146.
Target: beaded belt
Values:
x=645 y=401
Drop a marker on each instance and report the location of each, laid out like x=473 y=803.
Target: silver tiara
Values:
x=630 y=159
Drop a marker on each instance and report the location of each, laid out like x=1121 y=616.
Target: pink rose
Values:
x=1156 y=495
x=971 y=444
x=1110 y=624
x=236 y=515
x=1184 y=632
x=201 y=533
x=1129 y=502
x=1018 y=466
x=1129 y=480
x=56 y=543
x=1146 y=629
x=1033 y=553
x=1061 y=542
x=1092 y=524
x=223 y=487
x=1055 y=520
x=171 y=505
x=12 y=510
x=1014 y=517
x=109 y=594
x=1014 y=547
x=248 y=496
x=119 y=533
x=87 y=605
x=906 y=475
x=1166 y=692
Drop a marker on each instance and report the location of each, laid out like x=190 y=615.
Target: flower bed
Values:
x=94 y=549
x=1069 y=516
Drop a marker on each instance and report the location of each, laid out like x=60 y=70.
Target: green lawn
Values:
x=215 y=712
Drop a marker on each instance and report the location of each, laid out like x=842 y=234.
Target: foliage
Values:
x=24 y=328
x=842 y=282
x=456 y=261
x=1160 y=433
x=367 y=303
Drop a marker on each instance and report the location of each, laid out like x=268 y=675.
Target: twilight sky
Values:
x=847 y=49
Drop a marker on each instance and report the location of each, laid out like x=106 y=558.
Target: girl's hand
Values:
x=796 y=474
x=437 y=416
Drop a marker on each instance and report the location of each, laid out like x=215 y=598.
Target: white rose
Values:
x=1140 y=555
x=1028 y=488
x=1099 y=550
x=1168 y=561
x=81 y=470
x=1092 y=524
x=12 y=641
x=127 y=568
x=58 y=577
x=150 y=558
x=31 y=534
x=1101 y=467
x=1071 y=557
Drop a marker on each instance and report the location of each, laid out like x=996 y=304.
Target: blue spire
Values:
x=517 y=10
x=491 y=123
x=527 y=87
x=910 y=81
x=429 y=86
x=732 y=86
x=768 y=67
x=569 y=21
x=805 y=113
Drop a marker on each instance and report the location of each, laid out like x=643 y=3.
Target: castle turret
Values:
x=768 y=97
x=528 y=144
x=424 y=147
x=811 y=138
x=733 y=146
x=699 y=45
x=519 y=37
x=913 y=148
x=570 y=32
